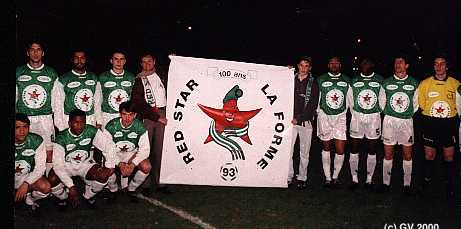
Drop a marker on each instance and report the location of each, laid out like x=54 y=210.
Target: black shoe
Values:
x=407 y=190
x=133 y=196
x=61 y=204
x=146 y=192
x=164 y=190
x=336 y=184
x=383 y=188
x=301 y=185
x=426 y=183
x=109 y=196
x=369 y=186
x=327 y=184
x=34 y=210
x=90 y=203
x=353 y=186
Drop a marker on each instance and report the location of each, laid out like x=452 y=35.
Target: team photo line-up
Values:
x=61 y=120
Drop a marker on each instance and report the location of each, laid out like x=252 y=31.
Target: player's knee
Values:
x=103 y=176
x=43 y=186
x=145 y=166
x=53 y=179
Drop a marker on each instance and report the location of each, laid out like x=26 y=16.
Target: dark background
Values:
x=250 y=31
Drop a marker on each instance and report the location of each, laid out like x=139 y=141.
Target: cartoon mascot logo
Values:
x=229 y=122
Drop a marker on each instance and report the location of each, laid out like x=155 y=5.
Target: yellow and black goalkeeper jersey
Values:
x=437 y=98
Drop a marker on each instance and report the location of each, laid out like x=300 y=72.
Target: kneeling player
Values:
x=29 y=159
x=132 y=140
x=72 y=158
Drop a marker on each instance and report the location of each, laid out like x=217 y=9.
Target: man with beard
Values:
x=35 y=83
x=77 y=90
x=331 y=122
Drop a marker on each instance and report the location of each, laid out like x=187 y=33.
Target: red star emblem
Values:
x=34 y=94
x=366 y=98
x=124 y=148
x=334 y=98
x=440 y=109
x=399 y=101
x=85 y=98
x=18 y=169
x=78 y=157
x=119 y=98
x=230 y=117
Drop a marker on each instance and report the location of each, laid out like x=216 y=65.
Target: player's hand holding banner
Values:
x=229 y=123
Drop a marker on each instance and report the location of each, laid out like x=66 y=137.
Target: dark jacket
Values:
x=142 y=108
x=305 y=113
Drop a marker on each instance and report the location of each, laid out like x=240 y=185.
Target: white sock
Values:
x=138 y=178
x=338 y=164
x=407 y=168
x=354 y=166
x=387 y=169
x=59 y=191
x=92 y=189
x=34 y=196
x=112 y=183
x=124 y=182
x=371 y=164
x=326 y=164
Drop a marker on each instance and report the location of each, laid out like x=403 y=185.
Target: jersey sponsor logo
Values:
x=408 y=87
x=367 y=99
x=126 y=83
x=359 y=84
x=83 y=99
x=132 y=135
x=90 y=82
x=373 y=84
x=44 y=79
x=34 y=96
x=400 y=102
x=125 y=146
x=440 y=109
x=334 y=99
x=70 y=147
x=116 y=97
x=21 y=168
x=110 y=84
x=433 y=94
x=73 y=84
x=85 y=142
x=28 y=152
x=341 y=84
x=391 y=87
x=118 y=134
x=24 y=78
x=77 y=157
x=327 y=84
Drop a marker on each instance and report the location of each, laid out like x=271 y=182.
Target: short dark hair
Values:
x=367 y=60
x=32 y=41
x=308 y=59
x=334 y=57
x=148 y=54
x=128 y=106
x=23 y=118
x=402 y=56
x=442 y=55
x=76 y=113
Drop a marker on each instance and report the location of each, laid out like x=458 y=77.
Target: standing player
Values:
x=437 y=99
x=29 y=165
x=305 y=102
x=72 y=157
x=77 y=90
x=331 y=122
x=35 y=83
x=400 y=101
x=132 y=140
x=366 y=119
x=115 y=86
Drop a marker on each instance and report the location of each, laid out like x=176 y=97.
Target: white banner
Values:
x=229 y=123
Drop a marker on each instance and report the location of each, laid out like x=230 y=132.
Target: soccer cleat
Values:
x=133 y=196
x=426 y=183
x=34 y=210
x=353 y=186
x=336 y=184
x=383 y=188
x=61 y=204
x=301 y=184
x=369 y=186
x=109 y=196
x=327 y=184
x=407 y=190
x=90 y=203
x=146 y=192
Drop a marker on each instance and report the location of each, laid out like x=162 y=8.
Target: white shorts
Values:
x=397 y=131
x=106 y=117
x=368 y=125
x=81 y=170
x=43 y=126
x=124 y=157
x=331 y=126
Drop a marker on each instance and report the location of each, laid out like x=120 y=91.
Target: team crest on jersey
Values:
x=116 y=97
x=125 y=146
x=400 y=102
x=335 y=98
x=77 y=157
x=28 y=152
x=34 y=96
x=440 y=109
x=21 y=168
x=367 y=99
x=83 y=99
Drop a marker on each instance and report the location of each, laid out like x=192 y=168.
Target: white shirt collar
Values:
x=39 y=68
x=397 y=78
x=78 y=74
x=333 y=75
x=116 y=74
x=369 y=76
